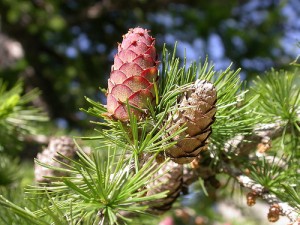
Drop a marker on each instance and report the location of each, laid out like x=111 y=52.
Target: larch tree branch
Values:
x=245 y=181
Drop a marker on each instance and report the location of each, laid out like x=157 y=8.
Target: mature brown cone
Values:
x=133 y=75
x=168 y=178
x=65 y=146
x=197 y=112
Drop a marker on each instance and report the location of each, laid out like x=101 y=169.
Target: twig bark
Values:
x=245 y=181
x=262 y=133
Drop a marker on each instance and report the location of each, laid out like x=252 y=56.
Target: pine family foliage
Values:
x=17 y=119
x=254 y=140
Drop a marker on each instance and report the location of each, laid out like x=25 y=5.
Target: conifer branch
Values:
x=262 y=133
x=245 y=181
x=201 y=168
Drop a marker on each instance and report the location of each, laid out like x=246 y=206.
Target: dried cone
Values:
x=133 y=75
x=63 y=145
x=197 y=112
x=168 y=178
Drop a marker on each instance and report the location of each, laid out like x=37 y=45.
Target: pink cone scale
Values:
x=133 y=76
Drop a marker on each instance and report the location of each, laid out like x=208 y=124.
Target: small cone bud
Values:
x=274 y=213
x=196 y=112
x=251 y=198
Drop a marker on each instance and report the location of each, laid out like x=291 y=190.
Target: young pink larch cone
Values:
x=133 y=76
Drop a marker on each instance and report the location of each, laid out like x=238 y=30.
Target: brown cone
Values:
x=169 y=178
x=196 y=112
x=65 y=146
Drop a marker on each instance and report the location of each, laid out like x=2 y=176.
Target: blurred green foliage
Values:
x=69 y=45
